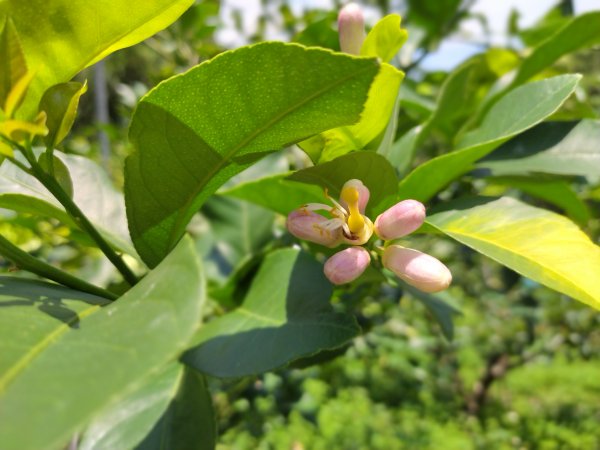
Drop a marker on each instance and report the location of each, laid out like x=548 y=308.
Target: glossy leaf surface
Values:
x=195 y=131
x=84 y=363
x=285 y=316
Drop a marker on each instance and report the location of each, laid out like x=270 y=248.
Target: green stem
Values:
x=27 y=262
x=82 y=221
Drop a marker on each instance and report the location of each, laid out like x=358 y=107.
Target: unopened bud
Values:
x=347 y=265
x=310 y=226
x=417 y=269
x=401 y=219
x=363 y=194
x=351 y=26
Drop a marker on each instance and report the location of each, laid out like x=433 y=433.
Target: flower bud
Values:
x=363 y=194
x=351 y=26
x=347 y=265
x=401 y=219
x=417 y=269
x=313 y=227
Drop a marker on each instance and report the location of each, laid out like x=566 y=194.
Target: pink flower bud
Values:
x=313 y=227
x=363 y=194
x=347 y=265
x=418 y=269
x=401 y=219
x=351 y=26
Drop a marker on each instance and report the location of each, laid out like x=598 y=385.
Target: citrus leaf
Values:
x=196 y=130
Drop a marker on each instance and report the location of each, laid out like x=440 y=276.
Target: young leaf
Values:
x=561 y=148
x=195 y=131
x=60 y=104
x=371 y=168
x=79 y=365
x=512 y=115
x=385 y=39
x=58 y=41
x=285 y=316
x=538 y=244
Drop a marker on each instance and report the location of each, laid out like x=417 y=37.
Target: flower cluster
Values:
x=347 y=224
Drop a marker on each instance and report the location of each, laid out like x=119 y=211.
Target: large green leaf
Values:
x=516 y=112
x=125 y=423
x=371 y=168
x=285 y=316
x=92 y=192
x=562 y=148
x=189 y=422
x=170 y=409
x=195 y=131
x=67 y=372
x=536 y=243
x=62 y=37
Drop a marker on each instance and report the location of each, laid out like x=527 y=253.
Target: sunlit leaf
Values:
x=538 y=244
x=60 y=104
x=385 y=39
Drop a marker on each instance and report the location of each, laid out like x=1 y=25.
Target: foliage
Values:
x=184 y=305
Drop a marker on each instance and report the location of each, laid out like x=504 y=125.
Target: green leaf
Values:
x=385 y=39
x=189 y=422
x=92 y=192
x=86 y=361
x=555 y=191
x=125 y=423
x=371 y=168
x=13 y=66
x=373 y=120
x=276 y=193
x=59 y=170
x=516 y=112
x=60 y=104
x=538 y=244
x=580 y=32
x=62 y=37
x=195 y=131
x=239 y=228
x=402 y=151
x=285 y=316
x=561 y=148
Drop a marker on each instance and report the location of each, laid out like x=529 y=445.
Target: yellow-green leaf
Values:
x=385 y=38
x=62 y=37
x=538 y=244
x=13 y=66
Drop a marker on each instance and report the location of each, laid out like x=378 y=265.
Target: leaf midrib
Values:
x=249 y=138
x=23 y=362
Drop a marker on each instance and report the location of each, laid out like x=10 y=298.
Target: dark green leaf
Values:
x=85 y=361
x=197 y=130
x=285 y=316
x=371 y=168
